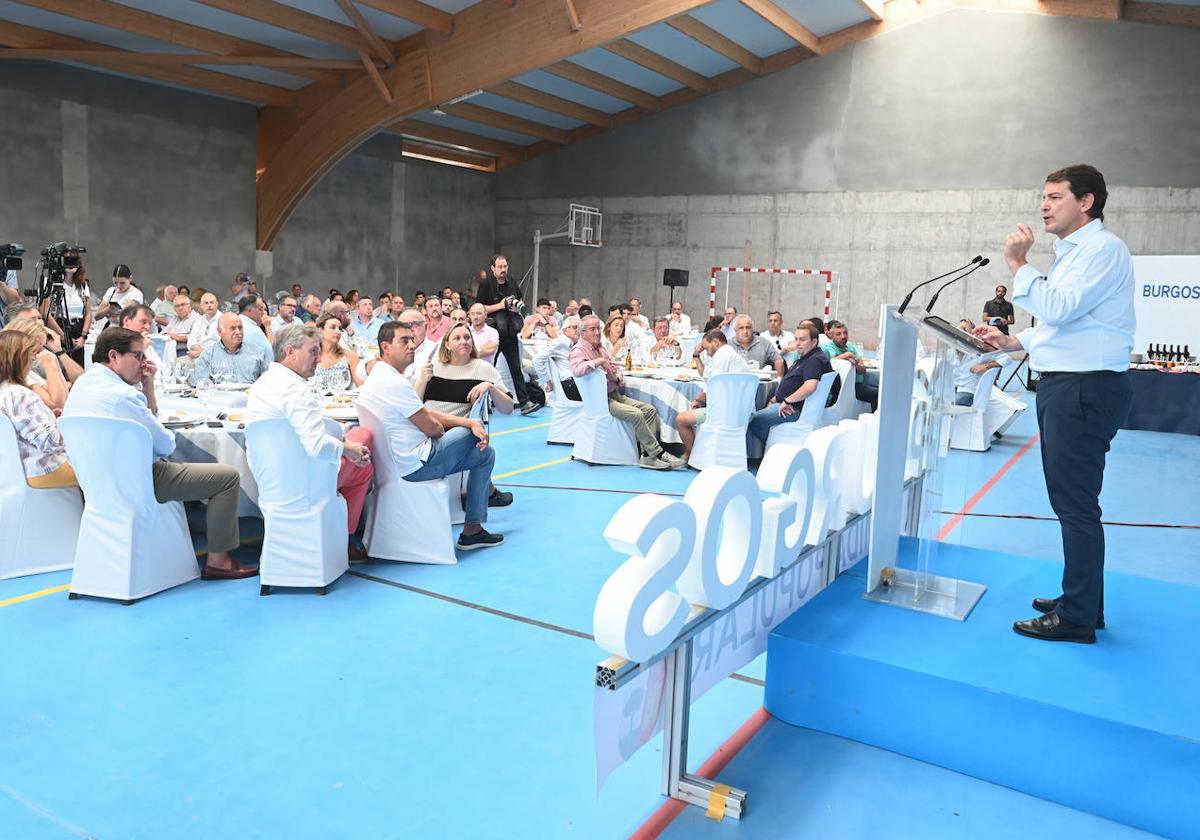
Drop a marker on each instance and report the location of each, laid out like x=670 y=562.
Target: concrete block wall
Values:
x=879 y=243
x=163 y=180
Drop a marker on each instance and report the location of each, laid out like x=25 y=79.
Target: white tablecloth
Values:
x=671 y=397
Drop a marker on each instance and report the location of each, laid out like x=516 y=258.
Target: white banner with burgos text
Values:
x=1167 y=302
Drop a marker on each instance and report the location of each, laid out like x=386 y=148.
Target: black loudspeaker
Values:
x=675 y=277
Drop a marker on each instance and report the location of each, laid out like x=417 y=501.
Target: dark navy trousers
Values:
x=1078 y=415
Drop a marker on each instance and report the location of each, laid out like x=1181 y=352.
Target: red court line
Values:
x=983 y=491
x=725 y=753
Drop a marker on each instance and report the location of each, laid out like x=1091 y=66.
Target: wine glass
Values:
x=340 y=381
x=203 y=390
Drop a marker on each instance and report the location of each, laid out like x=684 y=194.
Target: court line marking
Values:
x=1034 y=517
x=522 y=429
x=983 y=491
x=42 y=812
x=530 y=469
x=41 y=593
x=590 y=489
x=533 y=622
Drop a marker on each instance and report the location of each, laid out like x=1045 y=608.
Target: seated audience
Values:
x=435 y=323
x=419 y=302
x=557 y=352
x=487 y=340
x=108 y=389
x=297 y=291
x=43 y=456
x=457 y=380
x=253 y=312
x=384 y=310
x=572 y=308
x=678 y=322
x=837 y=345
x=424 y=443
x=458 y=317
x=727 y=324
x=783 y=342
x=286 y=316
x=795 y=387
x=180 y=324
x=588 y=355
x=352 y=298
x=283 y=392
x=163 y=304
x=423 y=349
x=244 y=362
x=204 y=331
x=140 y=318
x=636 y=316
x=44 y=375
x=659 y=346
x=366 y=323
x=311 y=305
x=721 y=359
x=756 y=350
x=335 y=360
x=395 y=307
x=613 y=339
x=540 y=326
x=968 y=371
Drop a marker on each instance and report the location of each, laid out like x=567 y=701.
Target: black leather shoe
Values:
x=1053 y=628
x=1048 y=605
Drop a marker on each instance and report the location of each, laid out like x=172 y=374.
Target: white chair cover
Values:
x=600 y=437
x=969 y=431
x=38 y=528
x=812 y=416
x=1002 y=410
x=721 y=441
x=130 y=546
x=847 y=406
x=409 y=520
x=304 y=518
x=565 y=414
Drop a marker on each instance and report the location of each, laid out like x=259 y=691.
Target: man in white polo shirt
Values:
x=721 y=359
x=427 y=444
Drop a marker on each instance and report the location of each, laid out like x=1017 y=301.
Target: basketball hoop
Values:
x=584 y=227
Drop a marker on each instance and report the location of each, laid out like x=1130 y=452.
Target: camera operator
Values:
x=77 y=298
x=501 y=300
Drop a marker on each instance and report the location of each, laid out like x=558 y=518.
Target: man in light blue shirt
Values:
x=1080 y=346
x=366 y=323
x=232 y=354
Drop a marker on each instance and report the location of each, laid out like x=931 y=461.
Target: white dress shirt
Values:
x=725 y=360
x=204 y=333
x=277 y=323
x=1084 y=307
x=683 y=325
x=283 y=393
x=183 y=326
x=101 y=393
x=421 y=355
x=390 y=397
x=122 y=299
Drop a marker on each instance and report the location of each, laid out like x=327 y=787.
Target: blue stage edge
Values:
x=1111 y=728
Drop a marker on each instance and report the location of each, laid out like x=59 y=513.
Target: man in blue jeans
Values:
x=427 y=444
x=795 y=387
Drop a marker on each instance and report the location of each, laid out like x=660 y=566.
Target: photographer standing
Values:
x=77 y=297
x=502 y=302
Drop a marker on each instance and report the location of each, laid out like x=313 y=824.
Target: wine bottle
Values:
x=629 y=359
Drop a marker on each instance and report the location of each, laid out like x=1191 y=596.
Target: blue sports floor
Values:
x=457 y=701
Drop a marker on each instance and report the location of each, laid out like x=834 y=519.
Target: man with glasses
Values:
x=180 y=325
x=109 y=389
x=557 y=352
x=244 y=361
x=286 y=316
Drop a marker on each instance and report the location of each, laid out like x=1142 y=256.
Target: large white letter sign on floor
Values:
x=638 y=613
x=790 y=473
x=728 y=508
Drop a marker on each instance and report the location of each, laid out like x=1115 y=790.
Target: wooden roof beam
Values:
x=663 y=66
x=454 y=137
x=1162 y=13
x=429 y=17
x=874 y=8
x=171 y=31
x=548 y=102
x=106 y=54
x=717 y=42
x=294 y=20
x=785 y=23
x=440 y=154
x=364 y=28
x=581 y=75
x=519 y=125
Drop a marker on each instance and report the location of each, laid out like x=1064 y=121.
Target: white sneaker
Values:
x=653 y=462
x=675 y=462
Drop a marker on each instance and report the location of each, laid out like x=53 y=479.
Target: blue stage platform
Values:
x=1112 y=728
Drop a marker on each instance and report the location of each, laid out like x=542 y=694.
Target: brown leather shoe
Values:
x=236 y=573
x=356 y=554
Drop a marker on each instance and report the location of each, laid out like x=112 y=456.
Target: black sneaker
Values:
x=529 y=407
x=470 y=542
x=500 y=498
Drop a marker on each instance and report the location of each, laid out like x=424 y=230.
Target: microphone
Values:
x=933 y=300
x=908 y=297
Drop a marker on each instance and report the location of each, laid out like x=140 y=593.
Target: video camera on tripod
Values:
x=55 y=261
x=10 y=258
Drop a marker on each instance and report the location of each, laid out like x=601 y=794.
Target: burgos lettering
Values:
x=1166 y=291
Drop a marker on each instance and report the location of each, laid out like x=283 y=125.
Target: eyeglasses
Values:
x=140 y=355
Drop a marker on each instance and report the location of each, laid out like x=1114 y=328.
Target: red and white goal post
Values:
x=726 y=271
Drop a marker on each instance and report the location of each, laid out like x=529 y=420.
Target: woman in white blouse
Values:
x=43 y=456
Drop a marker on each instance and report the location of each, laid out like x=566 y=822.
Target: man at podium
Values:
x=1080 y=346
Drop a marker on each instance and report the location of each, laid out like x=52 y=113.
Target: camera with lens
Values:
x=56 y=259
x=10 y=257
x=514 y=304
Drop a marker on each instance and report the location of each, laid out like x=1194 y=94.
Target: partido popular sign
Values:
x=1167 y=302
x=704 y=550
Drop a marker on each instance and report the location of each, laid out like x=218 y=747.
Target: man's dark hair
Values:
x=498 y=257
x=543 y=302
x=446 y=291
x=115 y=338
x=130 y=312
x=388 y=332
x=247 y=302
x=809 y=328
x=774 y=312
x=832 y=325
x=1084 y=179
x=616 y=307
x=585 y=310
x=625 y=307
x=818 y=323
x=419 y=293
x=717 y=336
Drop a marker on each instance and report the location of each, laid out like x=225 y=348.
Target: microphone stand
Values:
x=908 y=297
x=933 y=300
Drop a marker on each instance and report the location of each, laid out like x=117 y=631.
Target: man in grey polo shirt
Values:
x=756 y=350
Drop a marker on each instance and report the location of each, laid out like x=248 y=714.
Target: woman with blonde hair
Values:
x=43 y=455
x=457 y=379
x=613 y=338
x=50 y=384
x=334 y=358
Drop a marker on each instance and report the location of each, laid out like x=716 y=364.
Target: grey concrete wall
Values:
x=163 y=180
x=889 y=161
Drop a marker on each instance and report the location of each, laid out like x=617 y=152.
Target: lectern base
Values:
x=934 y=594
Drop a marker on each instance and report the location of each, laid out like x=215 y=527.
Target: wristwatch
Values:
x=58 y=352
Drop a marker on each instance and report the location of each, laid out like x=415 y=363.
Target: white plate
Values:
x=232 y=386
